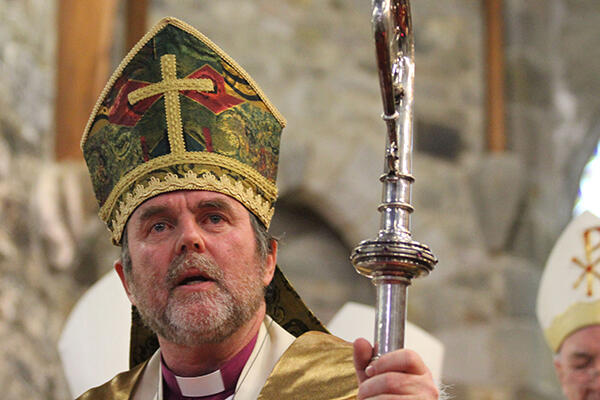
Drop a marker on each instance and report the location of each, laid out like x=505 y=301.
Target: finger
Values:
x=383 y=397
x=363 y=352
x=403 y=360
x=388 y=383
x=407 y=386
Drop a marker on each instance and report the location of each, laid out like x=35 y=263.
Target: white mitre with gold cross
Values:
x=569 y=292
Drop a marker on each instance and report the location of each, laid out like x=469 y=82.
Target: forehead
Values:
x=583 y=340
x=190 y=199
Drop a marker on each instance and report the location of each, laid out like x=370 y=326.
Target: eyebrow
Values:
x=151 y=211
x=216 y=204
x=580 y=354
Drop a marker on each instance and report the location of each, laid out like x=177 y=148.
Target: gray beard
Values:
x=222 y=313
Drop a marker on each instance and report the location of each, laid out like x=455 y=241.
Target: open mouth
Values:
x=192 y=279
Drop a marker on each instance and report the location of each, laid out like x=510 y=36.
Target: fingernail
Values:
x=370 y=371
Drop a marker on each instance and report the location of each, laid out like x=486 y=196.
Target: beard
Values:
x=200 y=317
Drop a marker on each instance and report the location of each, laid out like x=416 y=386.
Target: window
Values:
x=588 y=197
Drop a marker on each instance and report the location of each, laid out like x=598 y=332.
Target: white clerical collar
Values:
x=199 y=386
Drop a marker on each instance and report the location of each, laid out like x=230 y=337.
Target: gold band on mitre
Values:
x=576 y=317
x=129 y=192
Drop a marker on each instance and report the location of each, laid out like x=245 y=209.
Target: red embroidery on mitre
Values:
x=207 y=139
x=123 y=113
x=216 y=101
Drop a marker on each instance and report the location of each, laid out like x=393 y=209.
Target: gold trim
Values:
x=205 y=181
x=191 y=30
x=315 y=366
x=168 y=69
x=196 y=157
x=578 y=316
x=199 y=85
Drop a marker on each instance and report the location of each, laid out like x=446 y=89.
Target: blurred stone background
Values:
x=490 y=218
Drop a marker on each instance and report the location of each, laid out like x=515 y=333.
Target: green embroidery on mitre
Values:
x=179 y=106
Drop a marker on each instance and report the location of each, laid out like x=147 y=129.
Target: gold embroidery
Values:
x=588 y=266
x=191 y=180
x=199 y=85
x=170 y=87
x=212 y=159
x=182 y=25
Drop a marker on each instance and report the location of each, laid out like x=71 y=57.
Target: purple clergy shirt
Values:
x=230 y=374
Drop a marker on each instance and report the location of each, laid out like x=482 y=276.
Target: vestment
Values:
x=314 y=366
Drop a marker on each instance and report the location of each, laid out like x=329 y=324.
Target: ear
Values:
x=118 y=266
x=270 y=263
x=558 y=367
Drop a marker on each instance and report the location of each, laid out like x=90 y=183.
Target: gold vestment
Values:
x=315 y=366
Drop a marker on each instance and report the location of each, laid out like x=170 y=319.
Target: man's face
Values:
x=196 y=275
x=578 y=364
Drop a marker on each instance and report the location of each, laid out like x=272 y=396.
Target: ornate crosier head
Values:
x=179 y=113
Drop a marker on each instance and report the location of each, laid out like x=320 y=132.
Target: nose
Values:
x=594 y=376
x=190 y=236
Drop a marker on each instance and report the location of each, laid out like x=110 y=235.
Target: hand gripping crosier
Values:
x=393 y=258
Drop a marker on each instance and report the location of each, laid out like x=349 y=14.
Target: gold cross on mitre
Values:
x=170 y=87
x=588 y=266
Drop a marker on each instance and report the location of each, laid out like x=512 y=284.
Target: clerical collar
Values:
x=215 y=385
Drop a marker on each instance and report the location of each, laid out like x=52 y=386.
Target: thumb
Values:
x=363 y=352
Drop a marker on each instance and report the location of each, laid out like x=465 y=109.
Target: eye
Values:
x=159 y=227
x=581 y=364
x=215 y=218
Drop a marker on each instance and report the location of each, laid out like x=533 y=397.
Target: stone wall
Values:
x=491 y=220
x=51 y=244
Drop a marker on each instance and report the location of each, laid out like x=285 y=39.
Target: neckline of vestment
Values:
x=219 y=384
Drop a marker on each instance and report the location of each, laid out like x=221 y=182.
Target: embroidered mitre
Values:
x=569 y=292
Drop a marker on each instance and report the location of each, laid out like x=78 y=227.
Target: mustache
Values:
x=192 y=262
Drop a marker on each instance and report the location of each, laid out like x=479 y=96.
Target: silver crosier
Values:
x=393 y=259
